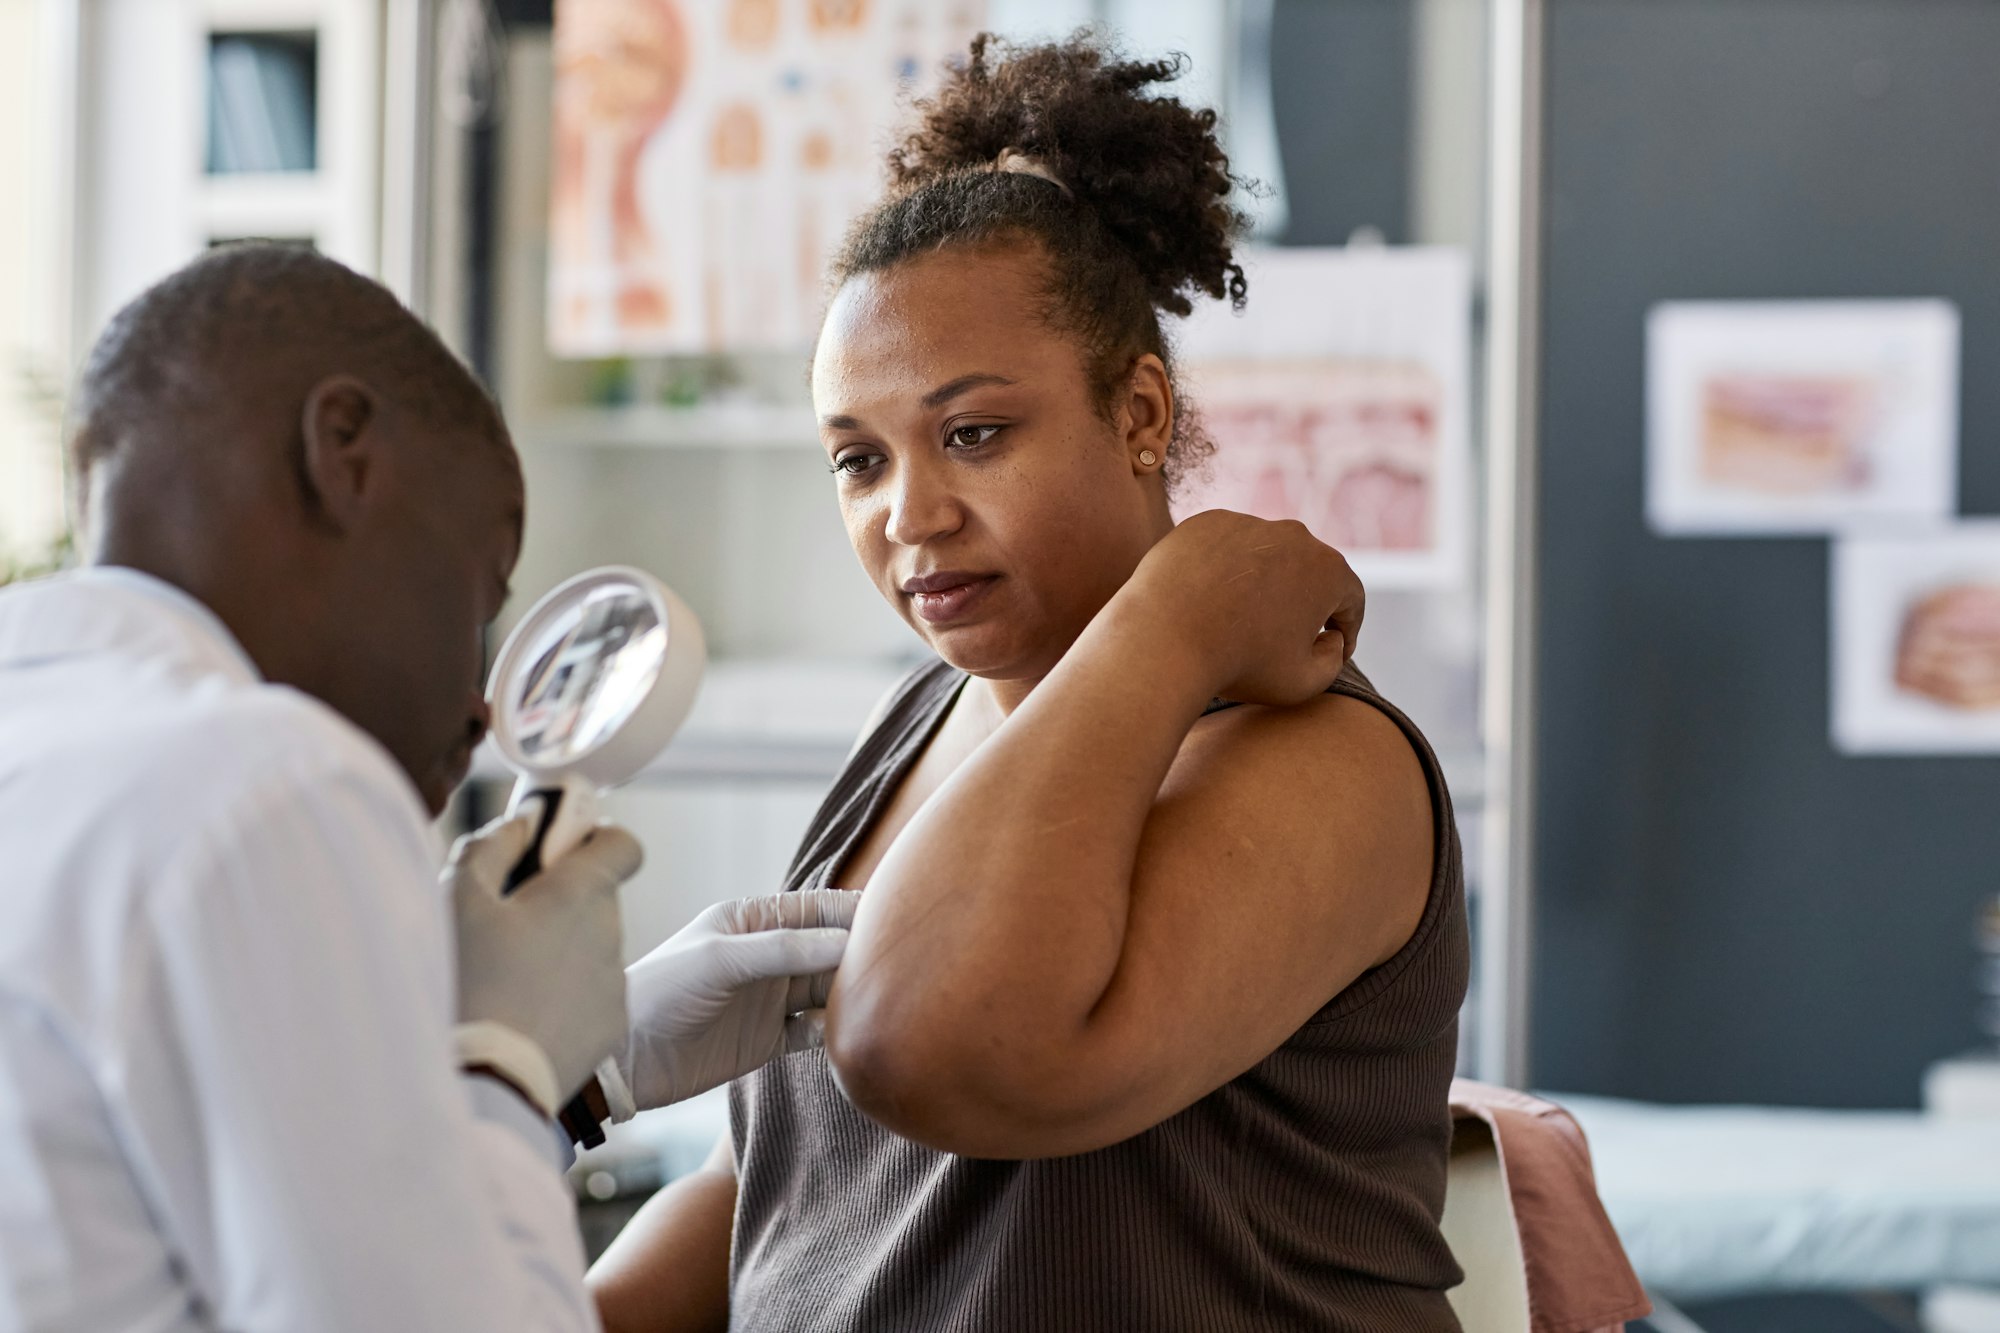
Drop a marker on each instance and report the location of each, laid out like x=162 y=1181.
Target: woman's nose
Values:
x=921 y=506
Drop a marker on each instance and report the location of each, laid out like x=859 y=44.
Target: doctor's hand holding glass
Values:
x=589 y=687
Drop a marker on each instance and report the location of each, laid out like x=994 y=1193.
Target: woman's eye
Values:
x=972 y=436
x=852 y=465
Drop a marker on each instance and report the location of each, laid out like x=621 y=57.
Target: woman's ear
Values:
x=1147 y=417
x=338 y=435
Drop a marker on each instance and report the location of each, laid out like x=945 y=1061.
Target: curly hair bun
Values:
x=1146 y=164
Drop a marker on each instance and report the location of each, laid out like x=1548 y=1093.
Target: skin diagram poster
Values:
x=709 y=155
x=1916 y=641
x=1339 y=396
x=1784 y=417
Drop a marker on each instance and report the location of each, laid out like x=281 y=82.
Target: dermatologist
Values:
x=260 y=1069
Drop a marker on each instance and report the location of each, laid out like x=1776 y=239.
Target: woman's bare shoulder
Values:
x=1328 y=797
x=1336 y=745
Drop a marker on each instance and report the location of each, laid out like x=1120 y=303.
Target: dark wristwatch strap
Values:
x=584 y=1115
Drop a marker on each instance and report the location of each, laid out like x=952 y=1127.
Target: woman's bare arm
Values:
x=668 y=1271
x=1090 y=926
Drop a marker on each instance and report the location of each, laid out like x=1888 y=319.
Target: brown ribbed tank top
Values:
x=1304 y=1194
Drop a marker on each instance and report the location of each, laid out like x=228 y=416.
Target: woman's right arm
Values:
x=668 y=1271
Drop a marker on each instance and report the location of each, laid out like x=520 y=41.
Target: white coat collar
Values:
x=111 y=609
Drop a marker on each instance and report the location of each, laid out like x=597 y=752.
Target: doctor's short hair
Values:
x=256 y=316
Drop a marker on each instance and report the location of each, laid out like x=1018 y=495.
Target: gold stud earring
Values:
x=1147 y=458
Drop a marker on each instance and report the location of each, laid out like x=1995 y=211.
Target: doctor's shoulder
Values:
x=243 y=763
x=209 y=806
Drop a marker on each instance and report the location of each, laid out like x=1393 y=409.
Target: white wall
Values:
x=32 y=364
x=145 y=205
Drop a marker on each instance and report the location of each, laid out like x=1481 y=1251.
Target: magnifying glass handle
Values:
x=568 y=813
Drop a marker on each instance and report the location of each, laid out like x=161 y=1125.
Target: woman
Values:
x=1149 y=1011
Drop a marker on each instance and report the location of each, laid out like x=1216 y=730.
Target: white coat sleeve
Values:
x=342 y=1178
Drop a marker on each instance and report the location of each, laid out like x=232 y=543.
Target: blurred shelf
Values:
x=720 y=426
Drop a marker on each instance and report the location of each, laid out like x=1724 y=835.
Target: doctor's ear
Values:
x=338 y=438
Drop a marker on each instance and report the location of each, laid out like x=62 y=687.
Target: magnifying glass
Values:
x=589 y=687
x=587 y=690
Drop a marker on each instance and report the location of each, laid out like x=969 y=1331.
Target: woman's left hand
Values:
x=1271 y=611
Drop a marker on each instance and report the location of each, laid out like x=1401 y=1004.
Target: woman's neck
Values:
x=999 y=698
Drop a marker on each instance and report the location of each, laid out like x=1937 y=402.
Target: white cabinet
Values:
x=153 y=75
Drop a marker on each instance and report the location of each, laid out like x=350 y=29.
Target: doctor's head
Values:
x=278 y=436
x=995 y=393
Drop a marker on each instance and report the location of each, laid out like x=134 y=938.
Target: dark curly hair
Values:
x=1138 y=221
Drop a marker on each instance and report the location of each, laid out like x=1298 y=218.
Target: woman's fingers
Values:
x=1312 y=607
x=1313 y=674
x=805 y=1031
x=1276 y=611
x=1350 y=603
x=808 y=992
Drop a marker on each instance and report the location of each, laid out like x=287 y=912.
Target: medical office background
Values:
x=1690 y=885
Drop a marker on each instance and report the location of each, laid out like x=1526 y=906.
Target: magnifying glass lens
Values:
x=588 y=674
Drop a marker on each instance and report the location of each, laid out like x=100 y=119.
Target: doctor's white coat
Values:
x=228 y=1098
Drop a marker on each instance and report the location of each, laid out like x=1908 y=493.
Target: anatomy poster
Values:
x=1799 y=416
x=1916 y=641
x=709 y=155
x=1339 y=397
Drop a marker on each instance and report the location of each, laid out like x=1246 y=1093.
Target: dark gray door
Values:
x=1728 y=909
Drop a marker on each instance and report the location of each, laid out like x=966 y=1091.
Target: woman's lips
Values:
x=940 y=605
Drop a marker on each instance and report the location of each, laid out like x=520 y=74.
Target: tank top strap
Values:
x=908 y=718
x=1430 y=960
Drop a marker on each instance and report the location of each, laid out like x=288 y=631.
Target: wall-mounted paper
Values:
x=1340 y=397
x=1799 y=416
x=709 y=156
x=1916 y=641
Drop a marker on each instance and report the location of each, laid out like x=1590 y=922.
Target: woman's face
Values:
x=990 y=501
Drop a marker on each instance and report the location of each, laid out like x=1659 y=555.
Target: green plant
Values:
x=59 y=556
x=40 y=389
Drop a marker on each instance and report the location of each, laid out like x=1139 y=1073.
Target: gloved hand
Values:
x=539 y=971
x=744 y=983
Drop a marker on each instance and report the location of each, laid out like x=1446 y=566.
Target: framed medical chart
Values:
x=1339 y=396
x=1916 y=641
x=1784 y=417
x=709 y=155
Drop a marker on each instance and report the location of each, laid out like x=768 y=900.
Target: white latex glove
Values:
x=744 y=983
x=540 y=971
